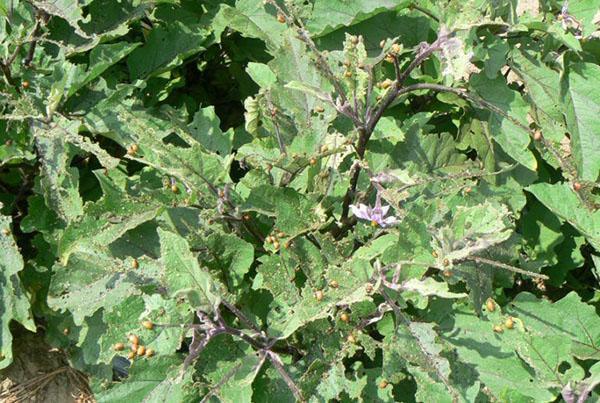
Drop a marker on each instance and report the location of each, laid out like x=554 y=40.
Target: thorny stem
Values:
x=371 y=118
x=276 y=361
x=6 y=64
x=8 y=76
x=36 y=31
x=321 y=62
x=212 y=327
x=396 y=63
x=376 y=317
x=199 y=342
x=505 y=266
x=364 y=126
x=396 y=89
x=369 y=70
x=273 y=113
x=428 y=13
x=240 y=315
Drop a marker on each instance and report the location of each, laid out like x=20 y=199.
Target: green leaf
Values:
x=231 y=256
x=183 y=274
x=413 y=346
x=563 y=202
x=205 y=129
x=412 y=27
x=125 y=121
x=166 y=47
x=70 y=10
x=308 y=89
x=428 y=287
x=251 y=19
x=126 y=318
x=496 y=362
x=472 y=230
x=541 y=83
x=575 y=324
x=59 y=182
x=529 y=356
x=291 y=63
x=388 y=129
x=230 y=367
x=583 y=108
x=293 y=308
x=328 y=15
x=261 y=74
x=151 y=380
x=14 y=301
x=101 y=58
x=335 y=382
x=295 y=212
x=105 y=221
x=508 y=131
x=93 y=280
x=586 y=12
x=435 y=151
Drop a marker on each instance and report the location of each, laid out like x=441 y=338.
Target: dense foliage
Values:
x=348 y=200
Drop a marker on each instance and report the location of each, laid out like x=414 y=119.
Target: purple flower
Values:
x=374 y=214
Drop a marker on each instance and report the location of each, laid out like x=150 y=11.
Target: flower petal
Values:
x=389 y=221
x=362 y=211
x=384 y=210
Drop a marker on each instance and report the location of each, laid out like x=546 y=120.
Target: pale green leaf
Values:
x=59 y=182
x=165 y=48
x=429 y=287
x=507 y=128
x=562 y=201
x=14 y=303
x=328 y=15
x=150 y=380
x=183 y=273
x=583 y=109
x=205 y=129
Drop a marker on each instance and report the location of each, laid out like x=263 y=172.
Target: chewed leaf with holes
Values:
x=151 y=380
x=105 y=221
x=472 y=230
x=292 y=307
x=231 y=376
x=93 y=279
x=183 y=274
x=545 y=337
x=126 y=319
x=413 y=347
x=59 y=182
x=294 y=211
x=164 y=142
x=15 y=305
x=335 y=383
x=576 y=322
